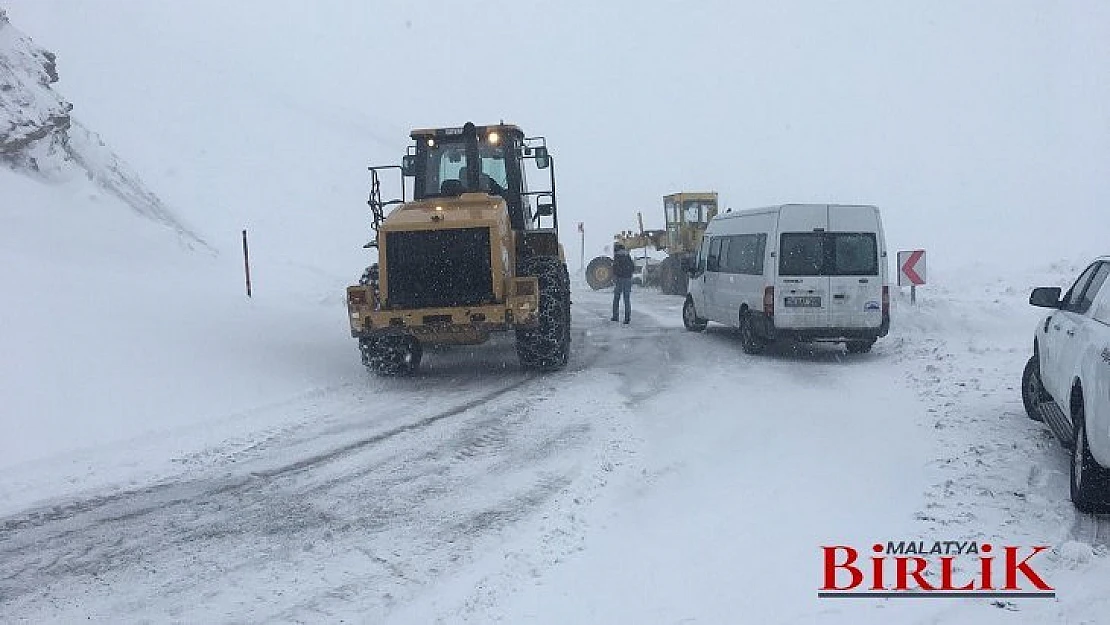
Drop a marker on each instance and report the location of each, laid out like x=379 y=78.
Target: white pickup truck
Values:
x=1066 y=383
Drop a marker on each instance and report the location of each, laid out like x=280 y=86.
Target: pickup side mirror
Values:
x=408 y=165
x=1045 y=297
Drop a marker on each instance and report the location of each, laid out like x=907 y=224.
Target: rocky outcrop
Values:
x=34 y=120
x=39 y=137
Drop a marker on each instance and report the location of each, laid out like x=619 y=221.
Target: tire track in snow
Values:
x=643 y=358
x=399 y=498
x=61 y=512
x=354 y=446
x=21 y=537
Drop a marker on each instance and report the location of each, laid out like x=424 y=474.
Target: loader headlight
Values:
x=493 y=138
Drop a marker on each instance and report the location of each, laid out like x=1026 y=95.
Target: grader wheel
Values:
x=673 y=279
x=599 y=273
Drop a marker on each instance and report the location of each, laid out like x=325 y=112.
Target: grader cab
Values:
x=474 y=252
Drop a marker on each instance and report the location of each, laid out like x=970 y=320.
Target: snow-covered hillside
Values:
x=39 y=135
x=35 y=119
x=118 y=320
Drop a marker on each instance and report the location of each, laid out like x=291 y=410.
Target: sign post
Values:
x=246 y=263
x=911 y=271
x=582 y=247
x=643 y=239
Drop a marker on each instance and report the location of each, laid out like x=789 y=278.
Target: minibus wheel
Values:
x=690 y=317
x=750 y=341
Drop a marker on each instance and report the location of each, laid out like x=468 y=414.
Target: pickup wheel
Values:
x=1090 y=482
x=690 y=317
x=1032 y=390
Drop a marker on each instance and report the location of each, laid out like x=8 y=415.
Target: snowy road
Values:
x=373 y=496
x=746 y=465
x=388 y=487
x=664 y=477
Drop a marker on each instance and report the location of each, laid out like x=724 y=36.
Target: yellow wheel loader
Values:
x=473 y=252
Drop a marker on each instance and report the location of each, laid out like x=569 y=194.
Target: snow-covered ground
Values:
x=665 y=477
x=746 y=465
x=87 y=316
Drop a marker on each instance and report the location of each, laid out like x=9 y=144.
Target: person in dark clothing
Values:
x=622 y=281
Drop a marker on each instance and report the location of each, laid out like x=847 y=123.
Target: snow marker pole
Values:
x=582 y=249
x=246 y=263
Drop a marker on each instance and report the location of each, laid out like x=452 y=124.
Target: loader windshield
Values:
x=447 y=168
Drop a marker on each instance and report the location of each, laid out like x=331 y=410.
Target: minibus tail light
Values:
x=769 y=301
x=886 y=301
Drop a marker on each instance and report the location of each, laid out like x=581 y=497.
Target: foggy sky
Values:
x=980 y=128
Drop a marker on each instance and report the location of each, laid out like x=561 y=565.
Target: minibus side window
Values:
x=722 y=256
x=745 y=254
x=760 y=252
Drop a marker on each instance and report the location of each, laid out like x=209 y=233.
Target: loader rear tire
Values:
x=370 y=278
x=546 y=346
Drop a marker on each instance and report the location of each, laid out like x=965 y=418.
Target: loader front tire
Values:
x=395 y=355
x=546 y=345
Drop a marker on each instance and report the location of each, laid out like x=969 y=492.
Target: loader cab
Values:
x=447 y=162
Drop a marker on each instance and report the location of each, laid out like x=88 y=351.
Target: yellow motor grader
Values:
x=473 y=252
x=687 y=215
